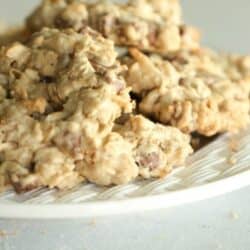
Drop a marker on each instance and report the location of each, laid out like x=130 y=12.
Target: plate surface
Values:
x=220 y=167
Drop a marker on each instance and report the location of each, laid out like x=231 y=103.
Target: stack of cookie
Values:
x=107 y=93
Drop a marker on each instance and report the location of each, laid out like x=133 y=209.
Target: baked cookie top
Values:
x=190 y=91
x=148 y=25
x=53 y=64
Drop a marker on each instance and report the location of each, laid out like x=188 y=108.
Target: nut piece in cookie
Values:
x=156 y=148
x=193 y=97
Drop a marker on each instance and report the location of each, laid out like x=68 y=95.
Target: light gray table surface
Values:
x=220 y=223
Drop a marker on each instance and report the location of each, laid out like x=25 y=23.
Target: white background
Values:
x=207 y=225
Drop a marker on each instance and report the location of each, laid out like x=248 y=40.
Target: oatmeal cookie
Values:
x=194 y=98
x=27 y=160
x=82 y=141
x=147 y=25
x=53 y=64
x=48 y=150
x=156 y=148
x=61 y=93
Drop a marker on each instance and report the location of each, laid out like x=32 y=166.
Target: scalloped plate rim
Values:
x=128 y=205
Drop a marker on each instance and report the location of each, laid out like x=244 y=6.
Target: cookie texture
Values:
x=62 y=93
x=156 y=148
x=148 y=25
x=190 y=91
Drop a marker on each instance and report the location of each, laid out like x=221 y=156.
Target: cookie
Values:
x=61 y=97
x=53 y=64
x=59 y=92
x=45 y=150
x=157 y=149
x=148 y=25
x=194 y=97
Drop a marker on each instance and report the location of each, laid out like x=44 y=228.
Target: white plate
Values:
x=209 y=172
